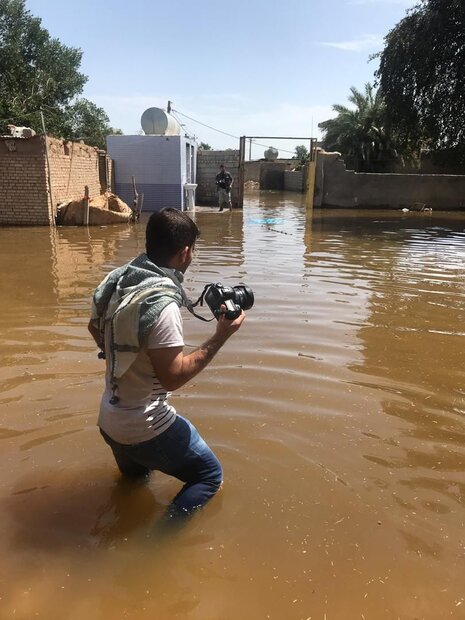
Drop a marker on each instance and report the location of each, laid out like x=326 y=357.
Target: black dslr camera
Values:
x=235 y=298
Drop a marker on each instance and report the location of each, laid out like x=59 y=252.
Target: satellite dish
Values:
x=157 y=122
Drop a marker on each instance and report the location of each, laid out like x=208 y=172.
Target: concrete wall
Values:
x=23 y=188
x=337 y=187
x=294 y=181
x=272 y=175
x=253 y=169
x=208 y=166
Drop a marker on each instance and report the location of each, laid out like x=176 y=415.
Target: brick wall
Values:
x=110 y=173
x=105 y=165
x=24 y=192
x=294 y=181
x=208 y=166
x=73 y=165
x=23 y=182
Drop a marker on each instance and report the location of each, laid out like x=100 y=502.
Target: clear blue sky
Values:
x=256 y=67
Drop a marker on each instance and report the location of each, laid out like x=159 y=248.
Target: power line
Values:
x=267 y=146
x=224 y=132
x=205 y=125
x=188 y=131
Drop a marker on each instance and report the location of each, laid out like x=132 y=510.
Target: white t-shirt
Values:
x=142 y=411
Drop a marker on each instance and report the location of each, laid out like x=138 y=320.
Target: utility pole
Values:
x=241 y=175
x=168 y=109
x=49 y=175
x=250 y=149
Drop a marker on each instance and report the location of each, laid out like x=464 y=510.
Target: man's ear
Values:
x=184 y=253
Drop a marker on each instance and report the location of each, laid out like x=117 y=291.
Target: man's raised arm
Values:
x=174 y=369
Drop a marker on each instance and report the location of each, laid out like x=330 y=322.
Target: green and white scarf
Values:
x=132 y=297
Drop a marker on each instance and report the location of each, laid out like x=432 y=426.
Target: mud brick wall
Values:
x=208 y=166
x=105 y=172
x=23 y=182
x=109 y=170
x=73 y=165
x=24 y=190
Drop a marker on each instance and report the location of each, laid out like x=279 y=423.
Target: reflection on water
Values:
x=337 y=412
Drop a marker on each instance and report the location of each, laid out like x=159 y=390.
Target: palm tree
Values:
x=361 y=133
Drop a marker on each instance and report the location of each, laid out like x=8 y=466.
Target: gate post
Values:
x=311 y=174
x=240 y=181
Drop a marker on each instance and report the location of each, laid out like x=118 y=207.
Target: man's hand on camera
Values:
x=226 y=328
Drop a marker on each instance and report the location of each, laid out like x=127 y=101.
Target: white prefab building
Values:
x=163 y=163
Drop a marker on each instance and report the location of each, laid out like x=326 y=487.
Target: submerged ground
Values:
x=337 y=412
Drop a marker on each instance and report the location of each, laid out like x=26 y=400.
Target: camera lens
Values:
x=243 y=296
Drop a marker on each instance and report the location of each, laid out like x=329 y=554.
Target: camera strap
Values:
x=185 y=299
x=191 y=305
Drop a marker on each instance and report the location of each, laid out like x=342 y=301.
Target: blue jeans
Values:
x=180 y=452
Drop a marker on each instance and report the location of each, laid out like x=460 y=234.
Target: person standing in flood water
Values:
x=136 y=322
x=224 y=183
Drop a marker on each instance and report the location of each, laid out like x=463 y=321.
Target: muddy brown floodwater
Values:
x=337 y=412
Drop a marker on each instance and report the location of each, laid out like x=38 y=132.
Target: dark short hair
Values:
x=167 y=232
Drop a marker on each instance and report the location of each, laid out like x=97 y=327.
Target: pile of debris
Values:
x=251 y=185
x=104 y=209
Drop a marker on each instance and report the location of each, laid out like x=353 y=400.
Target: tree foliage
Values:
x=38 y=72
x=83 y=120
x=422 y=75
x=205 y=146
x=301 y=154
x=361 y=133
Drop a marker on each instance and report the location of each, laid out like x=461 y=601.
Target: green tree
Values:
x=83 y=120
x=361 y=133
x=301 y=154
x=205 y=146
x=422 y=76
x=38 y=72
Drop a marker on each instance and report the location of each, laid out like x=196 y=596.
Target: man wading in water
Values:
x=224 y=183
x=136 y=321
